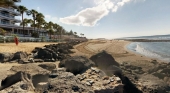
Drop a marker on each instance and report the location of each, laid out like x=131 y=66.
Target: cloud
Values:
x=90 y=16
x=86 y=17
x=122 y=2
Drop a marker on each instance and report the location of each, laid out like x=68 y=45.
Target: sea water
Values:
x=158 y=50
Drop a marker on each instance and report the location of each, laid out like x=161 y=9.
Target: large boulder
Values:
x=103 y=60
x=152 y=84
x=47 y=54
x=5 y=57
x=76 y=64
x=113 y=70
x=44 y=54
x=12 y=79
x=20 y=55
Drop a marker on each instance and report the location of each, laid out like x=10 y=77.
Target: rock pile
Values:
x=91 y=81
x=39 y=80
x=155 y=80
x=48 y=53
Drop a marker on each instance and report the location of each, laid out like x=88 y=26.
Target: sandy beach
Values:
x=117 y=48
x=129 y=61
x=26 y=47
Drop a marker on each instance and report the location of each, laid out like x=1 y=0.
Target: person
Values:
x=16 y=40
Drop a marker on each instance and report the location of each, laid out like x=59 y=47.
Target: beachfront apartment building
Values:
x=8 y=22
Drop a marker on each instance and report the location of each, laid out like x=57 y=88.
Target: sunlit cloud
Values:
x=90 y=16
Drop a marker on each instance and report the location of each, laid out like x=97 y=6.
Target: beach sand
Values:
x=26 y=47
x=12 y=48
x=117 y=48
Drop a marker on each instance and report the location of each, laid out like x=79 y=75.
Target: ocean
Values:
x=158 y=50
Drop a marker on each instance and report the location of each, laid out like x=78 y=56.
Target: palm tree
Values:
x=51 y=31
x=7 y=3
x=33 y=13
x=60 y=29
x=75 y=34
x=50 y=28
x=24 y=22
x=40 y=20
x=2 y=32
x=55 y=27
x=22 y=9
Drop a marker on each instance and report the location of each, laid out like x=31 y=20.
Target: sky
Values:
x=106 y=18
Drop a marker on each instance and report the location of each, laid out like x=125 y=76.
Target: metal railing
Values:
x=10 y=18
x=10 y=10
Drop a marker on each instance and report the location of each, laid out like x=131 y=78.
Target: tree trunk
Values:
x=23 y=25
x=34 y=25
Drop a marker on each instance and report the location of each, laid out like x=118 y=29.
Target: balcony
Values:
x=2 y=16
x=7 y=25
x=10 y=10
x=17 y=0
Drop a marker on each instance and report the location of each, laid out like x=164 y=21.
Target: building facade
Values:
x=8 y=22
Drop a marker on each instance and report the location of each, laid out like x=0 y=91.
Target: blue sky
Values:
x=106 y=18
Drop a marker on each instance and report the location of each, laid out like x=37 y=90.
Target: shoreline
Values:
x=138 y=54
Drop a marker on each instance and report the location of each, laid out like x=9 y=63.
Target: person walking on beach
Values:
x=16 y=40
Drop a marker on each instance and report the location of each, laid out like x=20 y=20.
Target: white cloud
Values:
x=115 y=9
x=87 y=17
x=122 y=2
x=90 y=16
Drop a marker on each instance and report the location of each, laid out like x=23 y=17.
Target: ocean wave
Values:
x=146 y=52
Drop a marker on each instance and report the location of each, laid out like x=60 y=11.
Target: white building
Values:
x=8 y=22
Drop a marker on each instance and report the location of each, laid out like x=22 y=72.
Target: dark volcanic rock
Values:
x=76 y=64
x=5 y=57
x=103 y=60
x=113 y=70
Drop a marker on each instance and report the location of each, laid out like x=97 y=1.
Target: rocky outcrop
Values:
x=76 y=64
x=53 y=52
x=6 y=57
x=91 y=81
x=31 y=69
x=151 y=81
x=151 y=84
x=107 y=63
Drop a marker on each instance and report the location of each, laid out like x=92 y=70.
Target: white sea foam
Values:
x=146 y=52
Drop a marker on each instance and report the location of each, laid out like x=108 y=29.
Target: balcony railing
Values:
x=9 y=18
x=10 y=10
x=8 y=25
